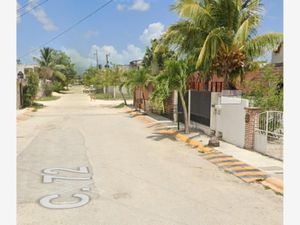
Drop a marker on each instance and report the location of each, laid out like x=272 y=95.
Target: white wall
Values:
x=110 y=90
x=260 y=142
x=22 y=67
x=214 y=101
x=278 y=57
x=231 y=122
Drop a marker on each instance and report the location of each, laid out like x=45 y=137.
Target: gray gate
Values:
x=200 y=107
x=269 y=133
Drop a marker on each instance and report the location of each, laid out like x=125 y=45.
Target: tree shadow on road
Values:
x=159 y=137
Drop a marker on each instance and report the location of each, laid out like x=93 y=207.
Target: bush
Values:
x=48 y=88
x=31 y=88
x=57 y=86
x=267 y=93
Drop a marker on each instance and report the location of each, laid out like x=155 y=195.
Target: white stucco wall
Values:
x=22 y=67
x=278 y=57
x=231 y=122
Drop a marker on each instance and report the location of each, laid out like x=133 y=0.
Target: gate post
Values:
x=251 y=119
x=175 y=106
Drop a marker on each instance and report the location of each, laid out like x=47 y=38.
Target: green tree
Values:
x=31 y=88
x=139 y=79
x=156 y=55
x=67 y=68
x=173 y=78
x=267 y=92
x=57 y=67
x=46 y=63
x=219 y=36
x=92 y=77
x=118 y=77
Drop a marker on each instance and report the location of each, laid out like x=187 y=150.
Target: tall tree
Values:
x=46 y=63
x=155 y=56
x=173 y=78
x=219 y=36
x=139 y=79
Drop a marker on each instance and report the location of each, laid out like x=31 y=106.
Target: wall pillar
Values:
x=251 y=120
x=175 y=106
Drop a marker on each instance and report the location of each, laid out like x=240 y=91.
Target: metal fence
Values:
x=270 y=123
x=269 y=134
x=200 y=107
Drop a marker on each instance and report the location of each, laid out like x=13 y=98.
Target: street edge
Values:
x=270 y=182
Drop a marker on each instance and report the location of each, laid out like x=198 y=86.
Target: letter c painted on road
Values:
x=46 y=202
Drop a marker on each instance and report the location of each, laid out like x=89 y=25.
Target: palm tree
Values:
x=122 y=80
x=139 y=79
x=173 y=78
x=46 y=62
x=50 y=69
x=219 y=36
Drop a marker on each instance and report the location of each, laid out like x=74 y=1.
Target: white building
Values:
x=24 y=67
x=277 y=56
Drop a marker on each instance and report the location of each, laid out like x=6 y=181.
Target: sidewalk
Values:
x=271 y=167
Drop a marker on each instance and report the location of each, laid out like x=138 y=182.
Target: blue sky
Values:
x=123 y=29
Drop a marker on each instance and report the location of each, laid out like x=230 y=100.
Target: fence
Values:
x=200 y=107
x=269 y=133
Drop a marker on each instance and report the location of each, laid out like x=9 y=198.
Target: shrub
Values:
x=57 y=86
x=267 y=92
x=48 y=88
x=31 y=88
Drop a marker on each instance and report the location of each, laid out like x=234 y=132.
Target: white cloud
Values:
x=131 y=52
x=123 y=57
x=121 y=7
x=41 y=16
x=18 y=13
x=139 y=5
x=91 y=33
x=153 y=31
x=81 y=62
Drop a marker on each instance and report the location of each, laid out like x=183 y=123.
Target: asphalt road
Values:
x=123 y=173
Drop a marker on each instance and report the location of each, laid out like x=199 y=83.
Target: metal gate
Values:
x=200 y=107
x=268 y=138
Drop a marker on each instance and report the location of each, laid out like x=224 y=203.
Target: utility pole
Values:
x=107 y=61
x=96 y=54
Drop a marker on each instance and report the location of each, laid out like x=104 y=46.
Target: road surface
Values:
x=88 y=163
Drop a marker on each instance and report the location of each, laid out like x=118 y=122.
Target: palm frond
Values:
x=245 y=29
x=211 y=46
x=263 y=43
x=190 y=9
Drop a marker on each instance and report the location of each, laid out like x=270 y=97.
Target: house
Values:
x=277 y=56
x=123 y=67
x=25 y=68
x=21 y=73
x=136 y=64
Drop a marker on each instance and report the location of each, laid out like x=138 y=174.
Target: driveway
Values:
x=89 y=163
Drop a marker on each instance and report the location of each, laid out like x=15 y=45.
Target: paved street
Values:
x=124 y=173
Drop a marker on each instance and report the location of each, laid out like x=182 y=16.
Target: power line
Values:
x=22 y=7
x=28 y=11
x=71 y=27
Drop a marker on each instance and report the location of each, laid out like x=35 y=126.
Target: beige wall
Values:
x=278 y=57
x=230 y=120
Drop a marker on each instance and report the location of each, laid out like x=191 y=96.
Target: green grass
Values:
x=102 y=96
x=209 y=146
x=120 y=106
x=36 y=106
x=48 y=98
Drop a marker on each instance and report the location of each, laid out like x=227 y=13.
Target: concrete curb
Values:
x=274 y=183
x=270 y=182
